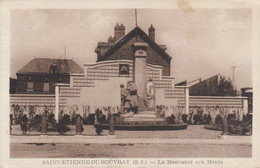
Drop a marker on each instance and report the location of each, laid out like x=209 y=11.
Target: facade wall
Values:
x=38 y=81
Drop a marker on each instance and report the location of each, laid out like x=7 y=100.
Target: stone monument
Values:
x=145 y=97
x=138 y=100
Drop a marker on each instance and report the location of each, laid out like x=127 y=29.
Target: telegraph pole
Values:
x=233 y=68
x=135 y=17
x=65 y=50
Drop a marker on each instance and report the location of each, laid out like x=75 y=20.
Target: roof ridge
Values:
x=54 y=58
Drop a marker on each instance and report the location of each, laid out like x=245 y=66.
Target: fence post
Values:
x=78 y=126
x=245 y=106
x=57 y=103
x=112 y=125
x=224 y=125
x=44 y=126
x=186 y=100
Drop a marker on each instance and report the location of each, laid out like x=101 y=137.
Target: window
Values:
x=46 y=87
x=29 y=86
x=53 y=69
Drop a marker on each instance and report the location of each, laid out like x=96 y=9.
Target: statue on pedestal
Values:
x=124 y=105
x=129 y=101
x=150 y=93
x=132 y=96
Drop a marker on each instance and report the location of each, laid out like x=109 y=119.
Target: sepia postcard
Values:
x=113 y=83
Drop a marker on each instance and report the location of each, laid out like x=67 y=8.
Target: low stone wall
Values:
x=212 y=105
x=33 y=99
x=221 y=101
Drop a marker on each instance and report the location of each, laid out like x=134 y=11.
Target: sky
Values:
x=201 y=42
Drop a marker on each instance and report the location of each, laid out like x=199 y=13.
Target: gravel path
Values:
x=129 y=151
x=192 y=132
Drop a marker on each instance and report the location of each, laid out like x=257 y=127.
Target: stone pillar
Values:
x=44 y=125
x=57 y=103
x=186 y=100
x=78 y=126
x=245 y=106
x=140 y=68
x=224 y=125
x=112 y=126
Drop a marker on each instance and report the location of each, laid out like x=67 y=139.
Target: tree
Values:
x=225 y=86
x=12 y=89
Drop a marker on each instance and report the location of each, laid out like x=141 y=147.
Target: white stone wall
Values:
x=100 y=87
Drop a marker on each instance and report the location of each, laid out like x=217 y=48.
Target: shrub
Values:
x=207 y=118
x=102 y=119
x=171 y=119
x=184 y=118
x=65 y=120
x=247 y=119
x=196 y=119
x=218 y=119
x=61 y=128
x=231 y=117
x=89 y=120
x=74 y=119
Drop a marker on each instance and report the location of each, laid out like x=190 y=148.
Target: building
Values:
x=41 y=74
x=12 y=88
x=248 y=92
x=120 y=47
x=119 y=60
x=216 y=85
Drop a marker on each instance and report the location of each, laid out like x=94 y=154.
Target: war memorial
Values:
x=128 y=89
x=130 y=80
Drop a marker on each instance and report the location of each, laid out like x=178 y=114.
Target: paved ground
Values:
x=193 y=142
x=129 y=151
x=192 y=132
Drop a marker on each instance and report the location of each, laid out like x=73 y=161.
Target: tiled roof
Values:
x=42 y=65
x=136 y=31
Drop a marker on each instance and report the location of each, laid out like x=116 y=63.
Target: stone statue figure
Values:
x=150 y=93
x=124 y=104
x=129 y=99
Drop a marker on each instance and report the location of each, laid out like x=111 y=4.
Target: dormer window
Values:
x=53 y=69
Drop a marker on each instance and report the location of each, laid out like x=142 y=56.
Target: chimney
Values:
x=119 y=31
x=151 y=31
x=110 y=40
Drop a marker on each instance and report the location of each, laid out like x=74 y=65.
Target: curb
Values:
x=113 y=140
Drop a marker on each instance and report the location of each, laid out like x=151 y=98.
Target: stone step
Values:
x=148 y=112
x=144 y=115
x=145 y=119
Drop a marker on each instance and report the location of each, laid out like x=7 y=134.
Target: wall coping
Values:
x=32 y=95
x=112 y=62
x=62 y=84
x=168 y=77
x=179 y=87
x=216 y=97
x=107 y=62
x=77 y=74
